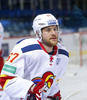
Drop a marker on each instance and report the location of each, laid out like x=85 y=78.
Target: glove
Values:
x=37 y=88
x=57 y=96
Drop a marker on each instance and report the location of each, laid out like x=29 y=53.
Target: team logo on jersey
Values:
x=36 y=80
x=57 y=61
x=48 y=77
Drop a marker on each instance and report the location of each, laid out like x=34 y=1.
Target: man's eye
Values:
x=56 y=29
x=48 y=30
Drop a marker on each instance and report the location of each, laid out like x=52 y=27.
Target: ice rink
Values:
x=73 y=85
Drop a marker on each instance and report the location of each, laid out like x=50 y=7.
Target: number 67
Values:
x=12 y=57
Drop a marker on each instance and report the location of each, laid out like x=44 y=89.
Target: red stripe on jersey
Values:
x=3 y=80
x=55 y=50
x=42 y=46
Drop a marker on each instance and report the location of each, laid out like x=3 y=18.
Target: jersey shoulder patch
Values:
x=62 y=50
x=28 y=44
x=31 y=48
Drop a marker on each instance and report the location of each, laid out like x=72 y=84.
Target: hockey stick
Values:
x=71 y=94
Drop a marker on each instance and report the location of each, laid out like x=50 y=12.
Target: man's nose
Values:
x=53 y=31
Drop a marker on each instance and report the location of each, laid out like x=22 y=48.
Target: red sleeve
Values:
x=4 y=78
x=1 y=63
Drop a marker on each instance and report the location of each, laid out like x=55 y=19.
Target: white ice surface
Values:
x=73 y=85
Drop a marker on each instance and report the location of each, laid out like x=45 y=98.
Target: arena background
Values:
x=17 y=16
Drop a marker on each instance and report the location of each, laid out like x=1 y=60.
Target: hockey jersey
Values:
x=30 y=62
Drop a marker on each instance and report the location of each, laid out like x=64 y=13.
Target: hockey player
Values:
x=35 y=66
x=1 y=58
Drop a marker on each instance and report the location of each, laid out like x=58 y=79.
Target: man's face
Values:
x=50 y=35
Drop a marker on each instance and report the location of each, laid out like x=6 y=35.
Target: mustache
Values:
x=53 y=37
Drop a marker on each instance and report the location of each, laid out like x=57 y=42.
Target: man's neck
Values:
x=48 y=48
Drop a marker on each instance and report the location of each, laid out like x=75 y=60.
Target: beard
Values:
x=50 y=42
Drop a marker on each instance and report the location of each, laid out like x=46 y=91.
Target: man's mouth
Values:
x=53 y=38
